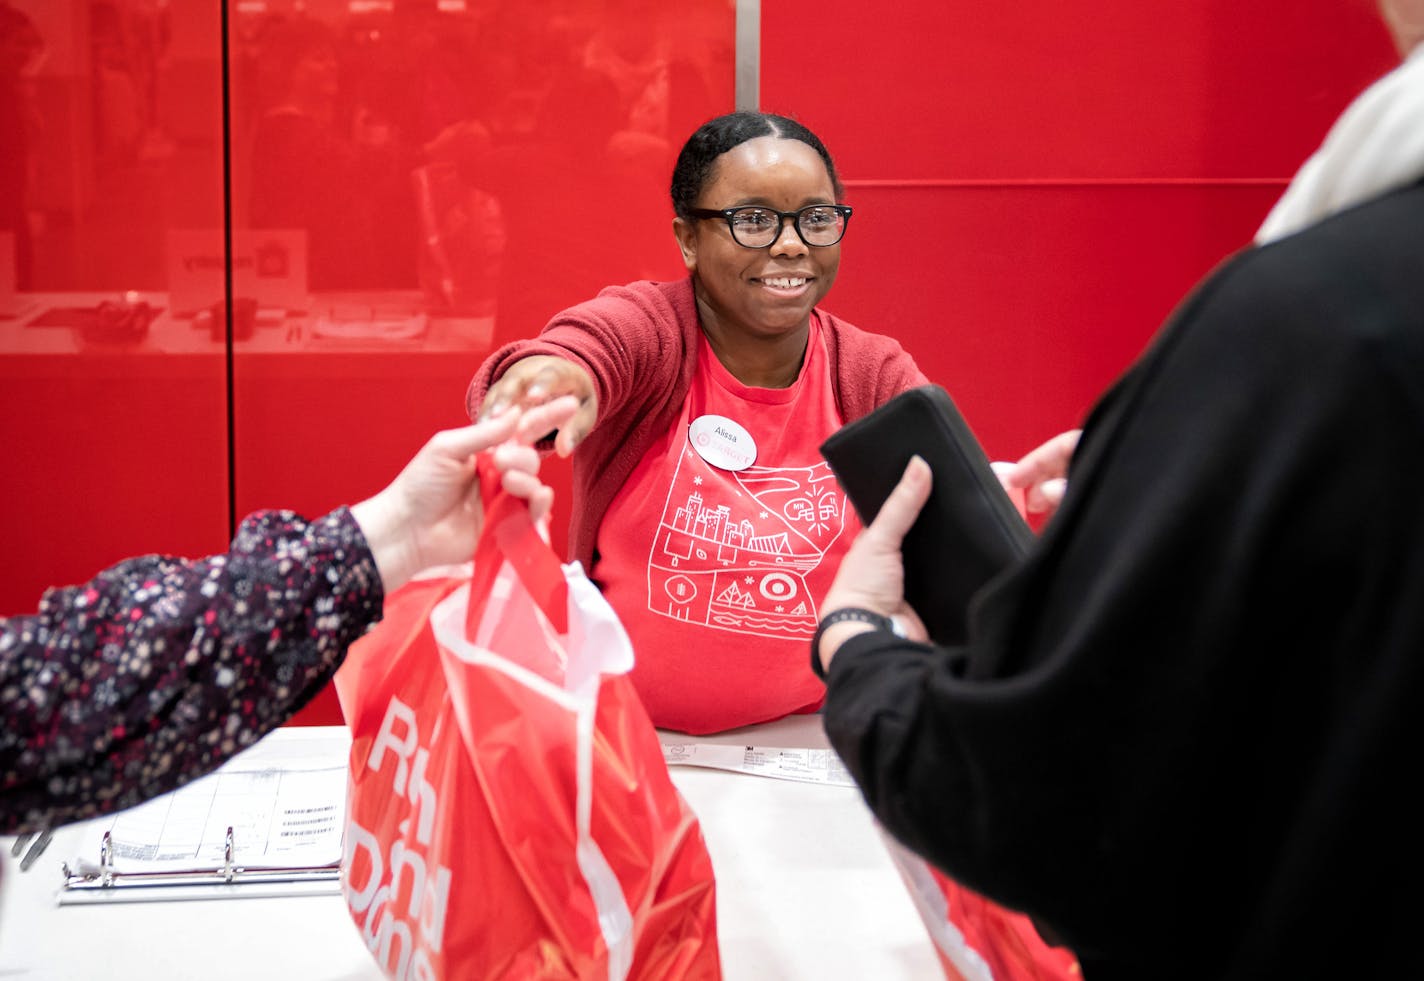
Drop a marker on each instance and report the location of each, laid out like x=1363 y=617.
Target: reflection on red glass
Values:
x=460 y=173
x=21 y=46
x=112 y=410
x=495 y=164
x=410 y=181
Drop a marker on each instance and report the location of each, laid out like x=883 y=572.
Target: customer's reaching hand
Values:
x=431 y=513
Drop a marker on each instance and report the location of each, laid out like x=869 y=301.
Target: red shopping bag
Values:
x=976 y=938
x=509 y=811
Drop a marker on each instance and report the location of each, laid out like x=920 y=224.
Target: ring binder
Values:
x=268 y=822
x=229 y=873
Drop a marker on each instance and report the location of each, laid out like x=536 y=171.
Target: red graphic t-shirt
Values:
x=721 y=542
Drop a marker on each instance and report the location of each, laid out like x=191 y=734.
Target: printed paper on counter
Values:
x=801 y=765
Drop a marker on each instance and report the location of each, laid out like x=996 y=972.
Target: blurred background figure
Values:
x=462 y=228
x=320 y=166
x=129 y=39
x=20 y=49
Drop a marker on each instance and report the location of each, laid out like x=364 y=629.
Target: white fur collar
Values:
x=1376 y=146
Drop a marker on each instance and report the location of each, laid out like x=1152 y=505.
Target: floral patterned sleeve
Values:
x=160 y=669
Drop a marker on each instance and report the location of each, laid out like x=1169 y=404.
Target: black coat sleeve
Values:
x=159 y=669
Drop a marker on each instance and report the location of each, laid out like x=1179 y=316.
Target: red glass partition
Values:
x=395 y=187
x=417 y=182
x=113 y=413
x=422 y=181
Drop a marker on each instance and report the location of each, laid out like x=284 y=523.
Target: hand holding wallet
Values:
x=969 y=530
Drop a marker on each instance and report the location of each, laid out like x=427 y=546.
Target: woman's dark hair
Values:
x=716 y=136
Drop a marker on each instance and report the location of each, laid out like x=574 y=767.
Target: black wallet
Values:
x=969 y=529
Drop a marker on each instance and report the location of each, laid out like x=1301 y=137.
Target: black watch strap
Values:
x=849 y=613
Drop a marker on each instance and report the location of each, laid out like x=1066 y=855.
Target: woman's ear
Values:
x=686 y=235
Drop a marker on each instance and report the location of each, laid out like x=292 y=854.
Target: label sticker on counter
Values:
x=723 y=443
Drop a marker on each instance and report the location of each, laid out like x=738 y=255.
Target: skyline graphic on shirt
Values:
x=733 y=550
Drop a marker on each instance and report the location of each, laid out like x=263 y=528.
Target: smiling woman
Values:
x=701 y=504
x=755 y=300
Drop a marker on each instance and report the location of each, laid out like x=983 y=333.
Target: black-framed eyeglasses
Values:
x=755 y=227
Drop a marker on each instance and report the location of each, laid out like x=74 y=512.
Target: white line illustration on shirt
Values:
x=733 y=550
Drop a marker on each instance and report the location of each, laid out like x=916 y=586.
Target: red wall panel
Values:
x=1026 y=301
x=108 y=455
x=1038 y=184
x=1110 y=88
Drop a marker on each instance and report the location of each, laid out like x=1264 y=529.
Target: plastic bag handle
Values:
x=509 y=535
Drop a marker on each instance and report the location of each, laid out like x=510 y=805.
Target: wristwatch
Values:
x=849 y=613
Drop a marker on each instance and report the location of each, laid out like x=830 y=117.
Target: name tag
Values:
x=722 y=443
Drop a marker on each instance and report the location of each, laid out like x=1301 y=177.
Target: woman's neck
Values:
x=770 y=362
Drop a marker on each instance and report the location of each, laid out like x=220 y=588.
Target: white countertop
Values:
x=805 y=889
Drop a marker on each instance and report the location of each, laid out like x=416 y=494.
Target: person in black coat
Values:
x=1186 y=735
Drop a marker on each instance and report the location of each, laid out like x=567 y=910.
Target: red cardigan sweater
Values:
x=639 y=344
